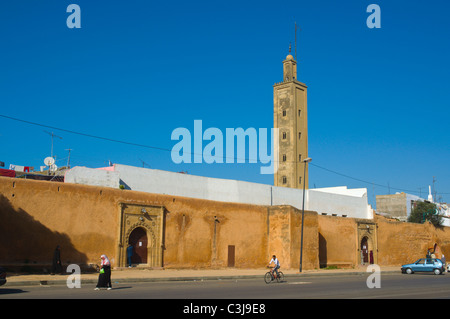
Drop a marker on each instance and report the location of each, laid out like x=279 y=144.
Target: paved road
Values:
x=393 y=286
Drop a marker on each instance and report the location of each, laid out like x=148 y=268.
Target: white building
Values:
x=336 y=201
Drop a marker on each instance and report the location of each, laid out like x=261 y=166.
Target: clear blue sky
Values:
x=378 y=99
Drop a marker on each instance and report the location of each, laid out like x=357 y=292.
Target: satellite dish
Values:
x=49 y=161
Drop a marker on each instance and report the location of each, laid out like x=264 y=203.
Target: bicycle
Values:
x=269 y=277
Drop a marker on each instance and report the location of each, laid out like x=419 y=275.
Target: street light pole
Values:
x=306 y=160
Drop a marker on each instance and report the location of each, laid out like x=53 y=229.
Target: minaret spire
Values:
x=295 y=44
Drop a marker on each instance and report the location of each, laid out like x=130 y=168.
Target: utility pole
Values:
x=306 y=161
x=434 y=189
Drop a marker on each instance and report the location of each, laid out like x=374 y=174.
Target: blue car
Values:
x=424 y=265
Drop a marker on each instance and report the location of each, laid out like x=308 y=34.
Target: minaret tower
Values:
x=290 y=116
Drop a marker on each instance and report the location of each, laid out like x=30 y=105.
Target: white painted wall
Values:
x=178 y=184
x=336 y=200
x=354 y=204
x=89 y=176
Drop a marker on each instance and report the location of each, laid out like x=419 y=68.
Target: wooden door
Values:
x=364 y=250
x=138 y=239
x=231 y=255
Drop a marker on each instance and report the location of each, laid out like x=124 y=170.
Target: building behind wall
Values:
x=397 y=205
x=400 y=205
x=335 y=201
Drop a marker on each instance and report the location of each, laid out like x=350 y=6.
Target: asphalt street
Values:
x=391 y=286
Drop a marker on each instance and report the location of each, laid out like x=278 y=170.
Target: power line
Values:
x=125 y=142
x=84 y=134
x=169 y=150
x=367 y=182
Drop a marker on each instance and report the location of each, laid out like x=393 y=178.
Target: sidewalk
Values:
x=126 y=275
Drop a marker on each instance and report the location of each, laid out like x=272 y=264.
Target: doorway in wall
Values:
x=231 y=255
x=138 y=239
x=367 y=243
x=364 y=251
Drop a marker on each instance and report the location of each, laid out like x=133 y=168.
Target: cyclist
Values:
x=276 y=265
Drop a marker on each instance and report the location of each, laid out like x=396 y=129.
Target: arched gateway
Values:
x=139 y=241
x=142 y=227
x=367 y=239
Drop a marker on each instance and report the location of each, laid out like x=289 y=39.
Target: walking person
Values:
x=104 y=278
x=56 y=263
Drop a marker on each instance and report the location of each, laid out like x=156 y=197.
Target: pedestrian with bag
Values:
x=104 y=278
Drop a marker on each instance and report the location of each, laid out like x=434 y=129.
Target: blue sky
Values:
x=378 y=99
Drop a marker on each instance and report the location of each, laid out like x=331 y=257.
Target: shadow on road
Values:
x=5 y=291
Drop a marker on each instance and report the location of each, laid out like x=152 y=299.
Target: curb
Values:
x=194 y=278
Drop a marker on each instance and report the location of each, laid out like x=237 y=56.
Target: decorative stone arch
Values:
x=367 y=236
x=151 y=219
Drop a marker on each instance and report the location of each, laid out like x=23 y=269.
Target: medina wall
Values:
x=392 y=242
x=87 y=221
x=401 y=243
x=337 y=241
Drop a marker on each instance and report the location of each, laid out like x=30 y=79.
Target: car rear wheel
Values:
x=408 y=271
x=437 y=271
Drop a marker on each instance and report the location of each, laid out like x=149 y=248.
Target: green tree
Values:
x=425 y=211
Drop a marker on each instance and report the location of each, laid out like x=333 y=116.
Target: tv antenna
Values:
x=52 y=135
x=145 y=164
x=68 y=159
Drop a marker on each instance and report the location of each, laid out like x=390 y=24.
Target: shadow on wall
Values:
x=323 y=260
x=27 y=245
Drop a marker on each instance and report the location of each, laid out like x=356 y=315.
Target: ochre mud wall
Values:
x=285 y=237
x=400 y=243
x=85 y=221
x=394 y=243
x=337 y=241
